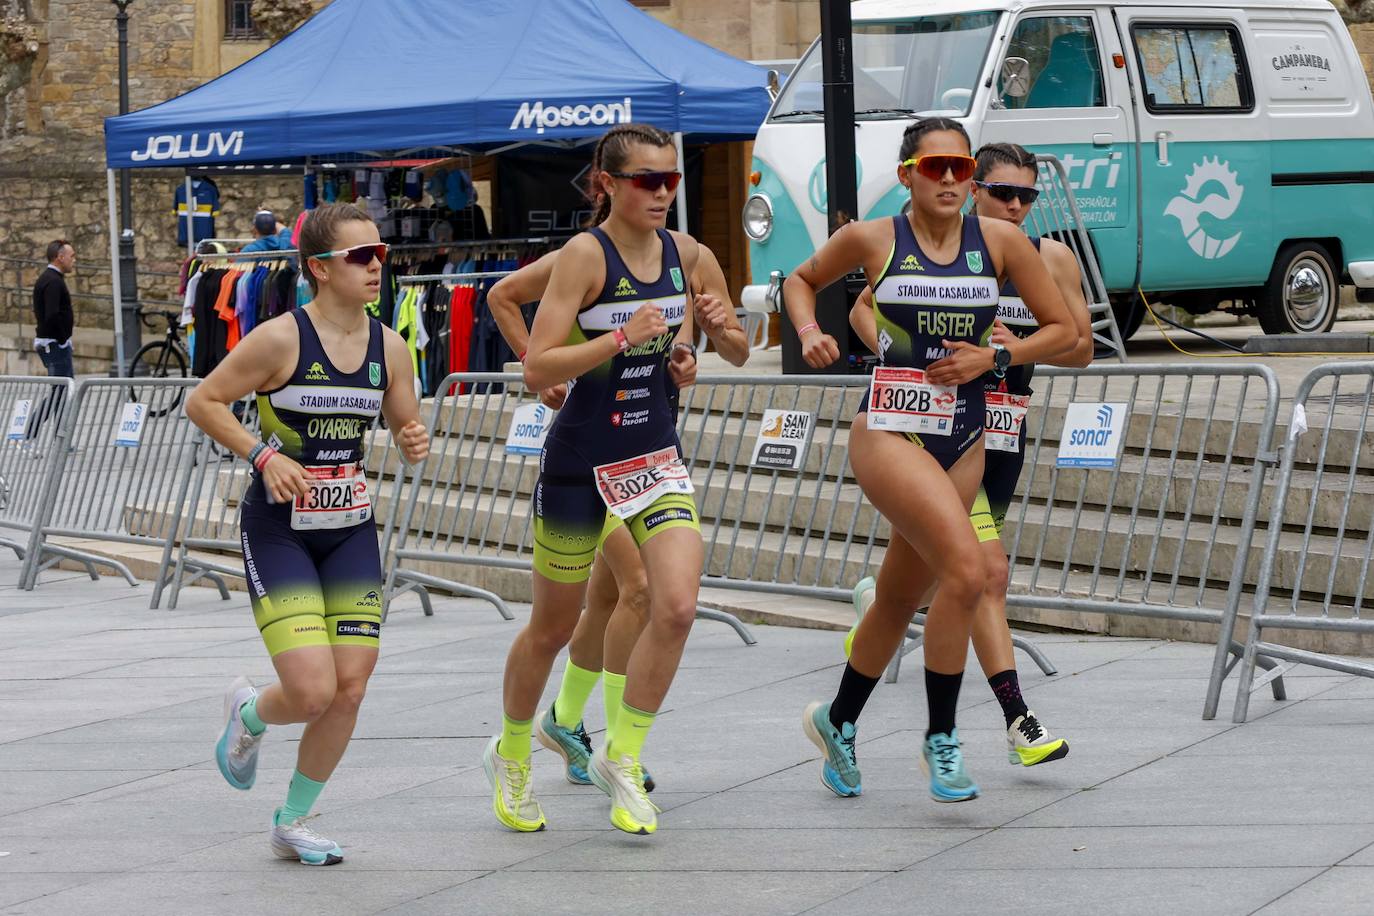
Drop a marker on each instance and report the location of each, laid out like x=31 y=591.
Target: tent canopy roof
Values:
x=382 y=75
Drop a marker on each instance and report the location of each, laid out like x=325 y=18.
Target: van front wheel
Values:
x=1302 y=292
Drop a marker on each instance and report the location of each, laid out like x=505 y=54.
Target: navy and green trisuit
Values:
x=316 y=587
x=919 y=304
x=617 y=410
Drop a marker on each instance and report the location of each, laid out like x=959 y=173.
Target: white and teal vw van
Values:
x=1218 y=154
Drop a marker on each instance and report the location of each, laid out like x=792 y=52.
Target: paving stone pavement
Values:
x=110 y=801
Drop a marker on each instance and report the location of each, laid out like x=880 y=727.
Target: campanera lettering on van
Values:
x=1216 y=154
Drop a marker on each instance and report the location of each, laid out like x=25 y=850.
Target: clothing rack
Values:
x=455 y=278
x=279 y=255
x=478 y=243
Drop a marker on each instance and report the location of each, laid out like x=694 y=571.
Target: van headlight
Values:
x=758 y=217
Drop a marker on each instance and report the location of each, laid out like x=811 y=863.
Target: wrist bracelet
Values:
x=266 y=455
x=622 y=342
x=812 y=326
x=255 y=451
x=690 y=348
x=522 y=356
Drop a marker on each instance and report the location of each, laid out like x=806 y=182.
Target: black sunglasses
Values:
x=1006 y=193
x=650 y=181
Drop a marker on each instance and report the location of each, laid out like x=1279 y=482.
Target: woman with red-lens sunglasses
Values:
x=916 y=444
x=612 y=321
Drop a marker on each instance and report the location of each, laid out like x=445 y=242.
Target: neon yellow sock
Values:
x=515 y=738
x=631 y=728
x=612 y=692
x=572 y=695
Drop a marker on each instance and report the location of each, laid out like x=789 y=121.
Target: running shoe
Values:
x=297 y=841
x=943 y=762
x=840 y=771
x=864 y=593
x=623 y=781
x=512 y=790
x=572 y=744
x=1029 y=742
x=237 y=750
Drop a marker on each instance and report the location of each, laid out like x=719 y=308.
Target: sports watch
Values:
x=1001 y=360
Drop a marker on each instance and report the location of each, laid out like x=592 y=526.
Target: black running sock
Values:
x=1007 y=689
x=942 y=697
x=855 y=689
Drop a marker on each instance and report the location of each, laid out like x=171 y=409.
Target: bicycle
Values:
x=166 y=358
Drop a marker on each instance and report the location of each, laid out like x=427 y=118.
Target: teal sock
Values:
x=248 y=712
x=300 y=798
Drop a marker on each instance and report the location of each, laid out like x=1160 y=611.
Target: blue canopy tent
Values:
x=410 y=75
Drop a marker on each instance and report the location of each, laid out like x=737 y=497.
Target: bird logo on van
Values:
x=1189 y=205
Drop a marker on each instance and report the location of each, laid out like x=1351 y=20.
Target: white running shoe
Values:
x=512 y=790
x=297 y=841
x=237 y=750
x=623 y=781
x=1030 y=743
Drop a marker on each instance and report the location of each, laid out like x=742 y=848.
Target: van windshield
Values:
x=927 y=66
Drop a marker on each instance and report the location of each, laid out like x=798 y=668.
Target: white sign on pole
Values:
x=130 y=430
x=19 y=420
x=782 y=440
x=528 y=426
x=1093 y=435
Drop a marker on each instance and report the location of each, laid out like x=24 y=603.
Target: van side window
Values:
x=1193 y=68
x=1065 y=67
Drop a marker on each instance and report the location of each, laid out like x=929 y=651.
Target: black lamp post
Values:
x=128 y=262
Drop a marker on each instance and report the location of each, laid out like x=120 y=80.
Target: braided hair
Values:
x=911 y=137
x=991 y=155
x=610 y=155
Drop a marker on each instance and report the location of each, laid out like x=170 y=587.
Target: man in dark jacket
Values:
x=52 y=311
x=54 y=320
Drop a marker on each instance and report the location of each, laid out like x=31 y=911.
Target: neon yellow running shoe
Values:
x=864 y=593
x=1029 y=743
x=512 y=791
x=623 y=781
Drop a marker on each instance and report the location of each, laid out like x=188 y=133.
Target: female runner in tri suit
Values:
x=322 y=374
x=1003 y=188
x=618 y=592
x=615 y=307
x=916 y=445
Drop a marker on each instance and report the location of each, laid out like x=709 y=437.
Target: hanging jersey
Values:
x=620 y=408
x=320 y=416
x=919 y=304
x=1019 y=319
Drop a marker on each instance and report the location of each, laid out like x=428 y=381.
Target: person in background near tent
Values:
x=916 y=444
x=310 y=552
x=618 y=592
x=613 y=447
x=1003 y=188
x=54 y=324
x=271 y=234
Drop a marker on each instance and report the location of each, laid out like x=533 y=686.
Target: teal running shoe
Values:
x=840 y=771
x=236 y=752
x=572 y=744
x=943 y=762
x=297 y=841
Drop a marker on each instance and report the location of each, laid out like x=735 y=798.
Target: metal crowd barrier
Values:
x=1315 y=575
x=470 y=502
x=209 y=547
x=122 y=448
x=32 y=409
x=1056 y=214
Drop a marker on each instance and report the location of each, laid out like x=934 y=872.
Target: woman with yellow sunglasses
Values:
x=916 y=443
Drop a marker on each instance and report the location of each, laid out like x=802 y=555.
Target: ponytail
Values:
x=609 y=155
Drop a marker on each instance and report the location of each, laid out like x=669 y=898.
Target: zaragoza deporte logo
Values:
x=1189 y=205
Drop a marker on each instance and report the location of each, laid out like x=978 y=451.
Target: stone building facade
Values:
x=52 y=178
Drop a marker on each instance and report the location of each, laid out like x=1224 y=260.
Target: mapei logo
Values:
x=884 y=342
x=541 y=117
x=1104 y=416
x=623 y=288
x=1190 y=204
x=637 y=372
x=174 y=146
x=316 y=373
x=910 y=262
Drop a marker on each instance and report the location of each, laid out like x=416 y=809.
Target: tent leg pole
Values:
x=190 y=217
x=114 y=275
x=682 y=186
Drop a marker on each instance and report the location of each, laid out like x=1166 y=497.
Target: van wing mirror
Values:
x=1016 y=77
